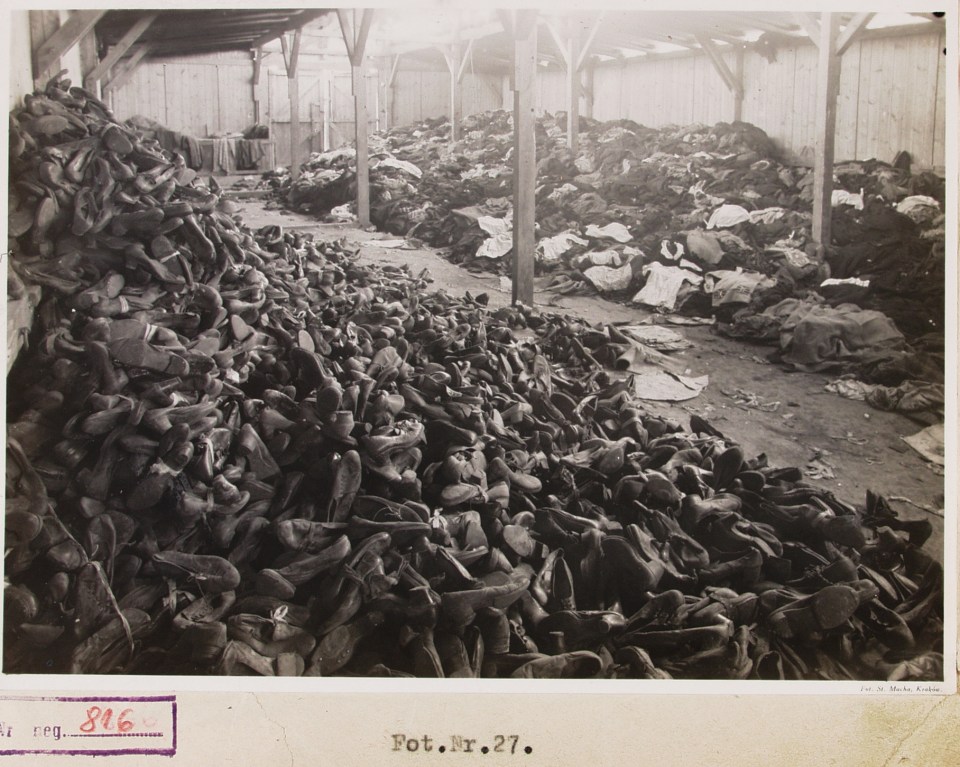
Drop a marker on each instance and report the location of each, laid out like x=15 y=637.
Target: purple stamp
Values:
x=88 y=725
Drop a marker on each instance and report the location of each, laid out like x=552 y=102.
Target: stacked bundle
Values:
x=245 y=454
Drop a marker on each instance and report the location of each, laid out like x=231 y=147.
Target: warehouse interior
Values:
x=472 y=343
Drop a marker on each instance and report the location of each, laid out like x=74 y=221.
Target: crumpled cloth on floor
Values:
x=908 y=397
x=817 y=337
x=929 y=443
x=663 y=285
x=734 y=286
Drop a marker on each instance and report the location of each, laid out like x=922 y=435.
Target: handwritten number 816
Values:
x=104 y=719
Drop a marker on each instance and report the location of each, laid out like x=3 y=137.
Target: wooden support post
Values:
x=257 y=55
x=126 y=68
x=88 y=56
x=291 y=56
x=453 y=55
x=60 y=42
x=355 y=39
x=116 y=52
x=363 y=159
x=738 y=77
x=327 y=112
x=828 y=85
x=572 y=57
x=590 y=71
x=524 y=156
x=392 y=91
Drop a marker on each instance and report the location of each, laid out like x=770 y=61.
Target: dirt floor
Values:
x=786 y=415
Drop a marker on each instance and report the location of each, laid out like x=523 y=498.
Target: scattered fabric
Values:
x=929 y=443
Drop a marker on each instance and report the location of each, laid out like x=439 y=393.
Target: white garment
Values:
x=663 y=285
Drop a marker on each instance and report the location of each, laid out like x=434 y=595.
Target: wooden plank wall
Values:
x=424 y=95
x=892 y=96
x=21 y=73
x=199 y=95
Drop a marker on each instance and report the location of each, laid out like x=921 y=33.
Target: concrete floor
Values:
x=862 y=446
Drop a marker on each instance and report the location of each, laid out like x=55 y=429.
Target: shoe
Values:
x=337 y=648
x=572 y=665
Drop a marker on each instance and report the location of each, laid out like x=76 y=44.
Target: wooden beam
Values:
x=589 y=86
x=572 y=56
x=294 y=54
x=393 y=71
x=127 y=67
x=828 y=85
x=524 y=157
x=363 y=159
x=810 y=25
x=117 y=52
x=735 y=86
x=346 y=30
x=327 y=109
x=296 y=22
x=467 y=56
x=383 y=93
x=559 y=41
x=738 y=76
x=291 y=57
x=257 y=64
x=88 y=56
x=61 y=41
x=852 y=31
x=591 y=35
x=749 y=21
x=257 y=55
x=452 y=54
x=360 y=43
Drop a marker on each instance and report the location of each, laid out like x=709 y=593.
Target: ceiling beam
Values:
x=346 y=30
x=591 y=36
x=127 y=67
x=116 y=52
x=61 y=41
x=558 y=40
x=852 y=31
x=291 y=54
x=292 y=23
x=721 y=66
x=754 y=22
x=467 y=56
x=810 y=24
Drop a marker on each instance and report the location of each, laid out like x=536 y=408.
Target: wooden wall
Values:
x=423 y=95
x=892 y=96
x=21 y=73
x=201 y=95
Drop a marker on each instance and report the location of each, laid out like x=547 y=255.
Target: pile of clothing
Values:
x=696 y=220
x=237 y=452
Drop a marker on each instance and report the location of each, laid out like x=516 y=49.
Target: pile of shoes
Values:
x=237 y=452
